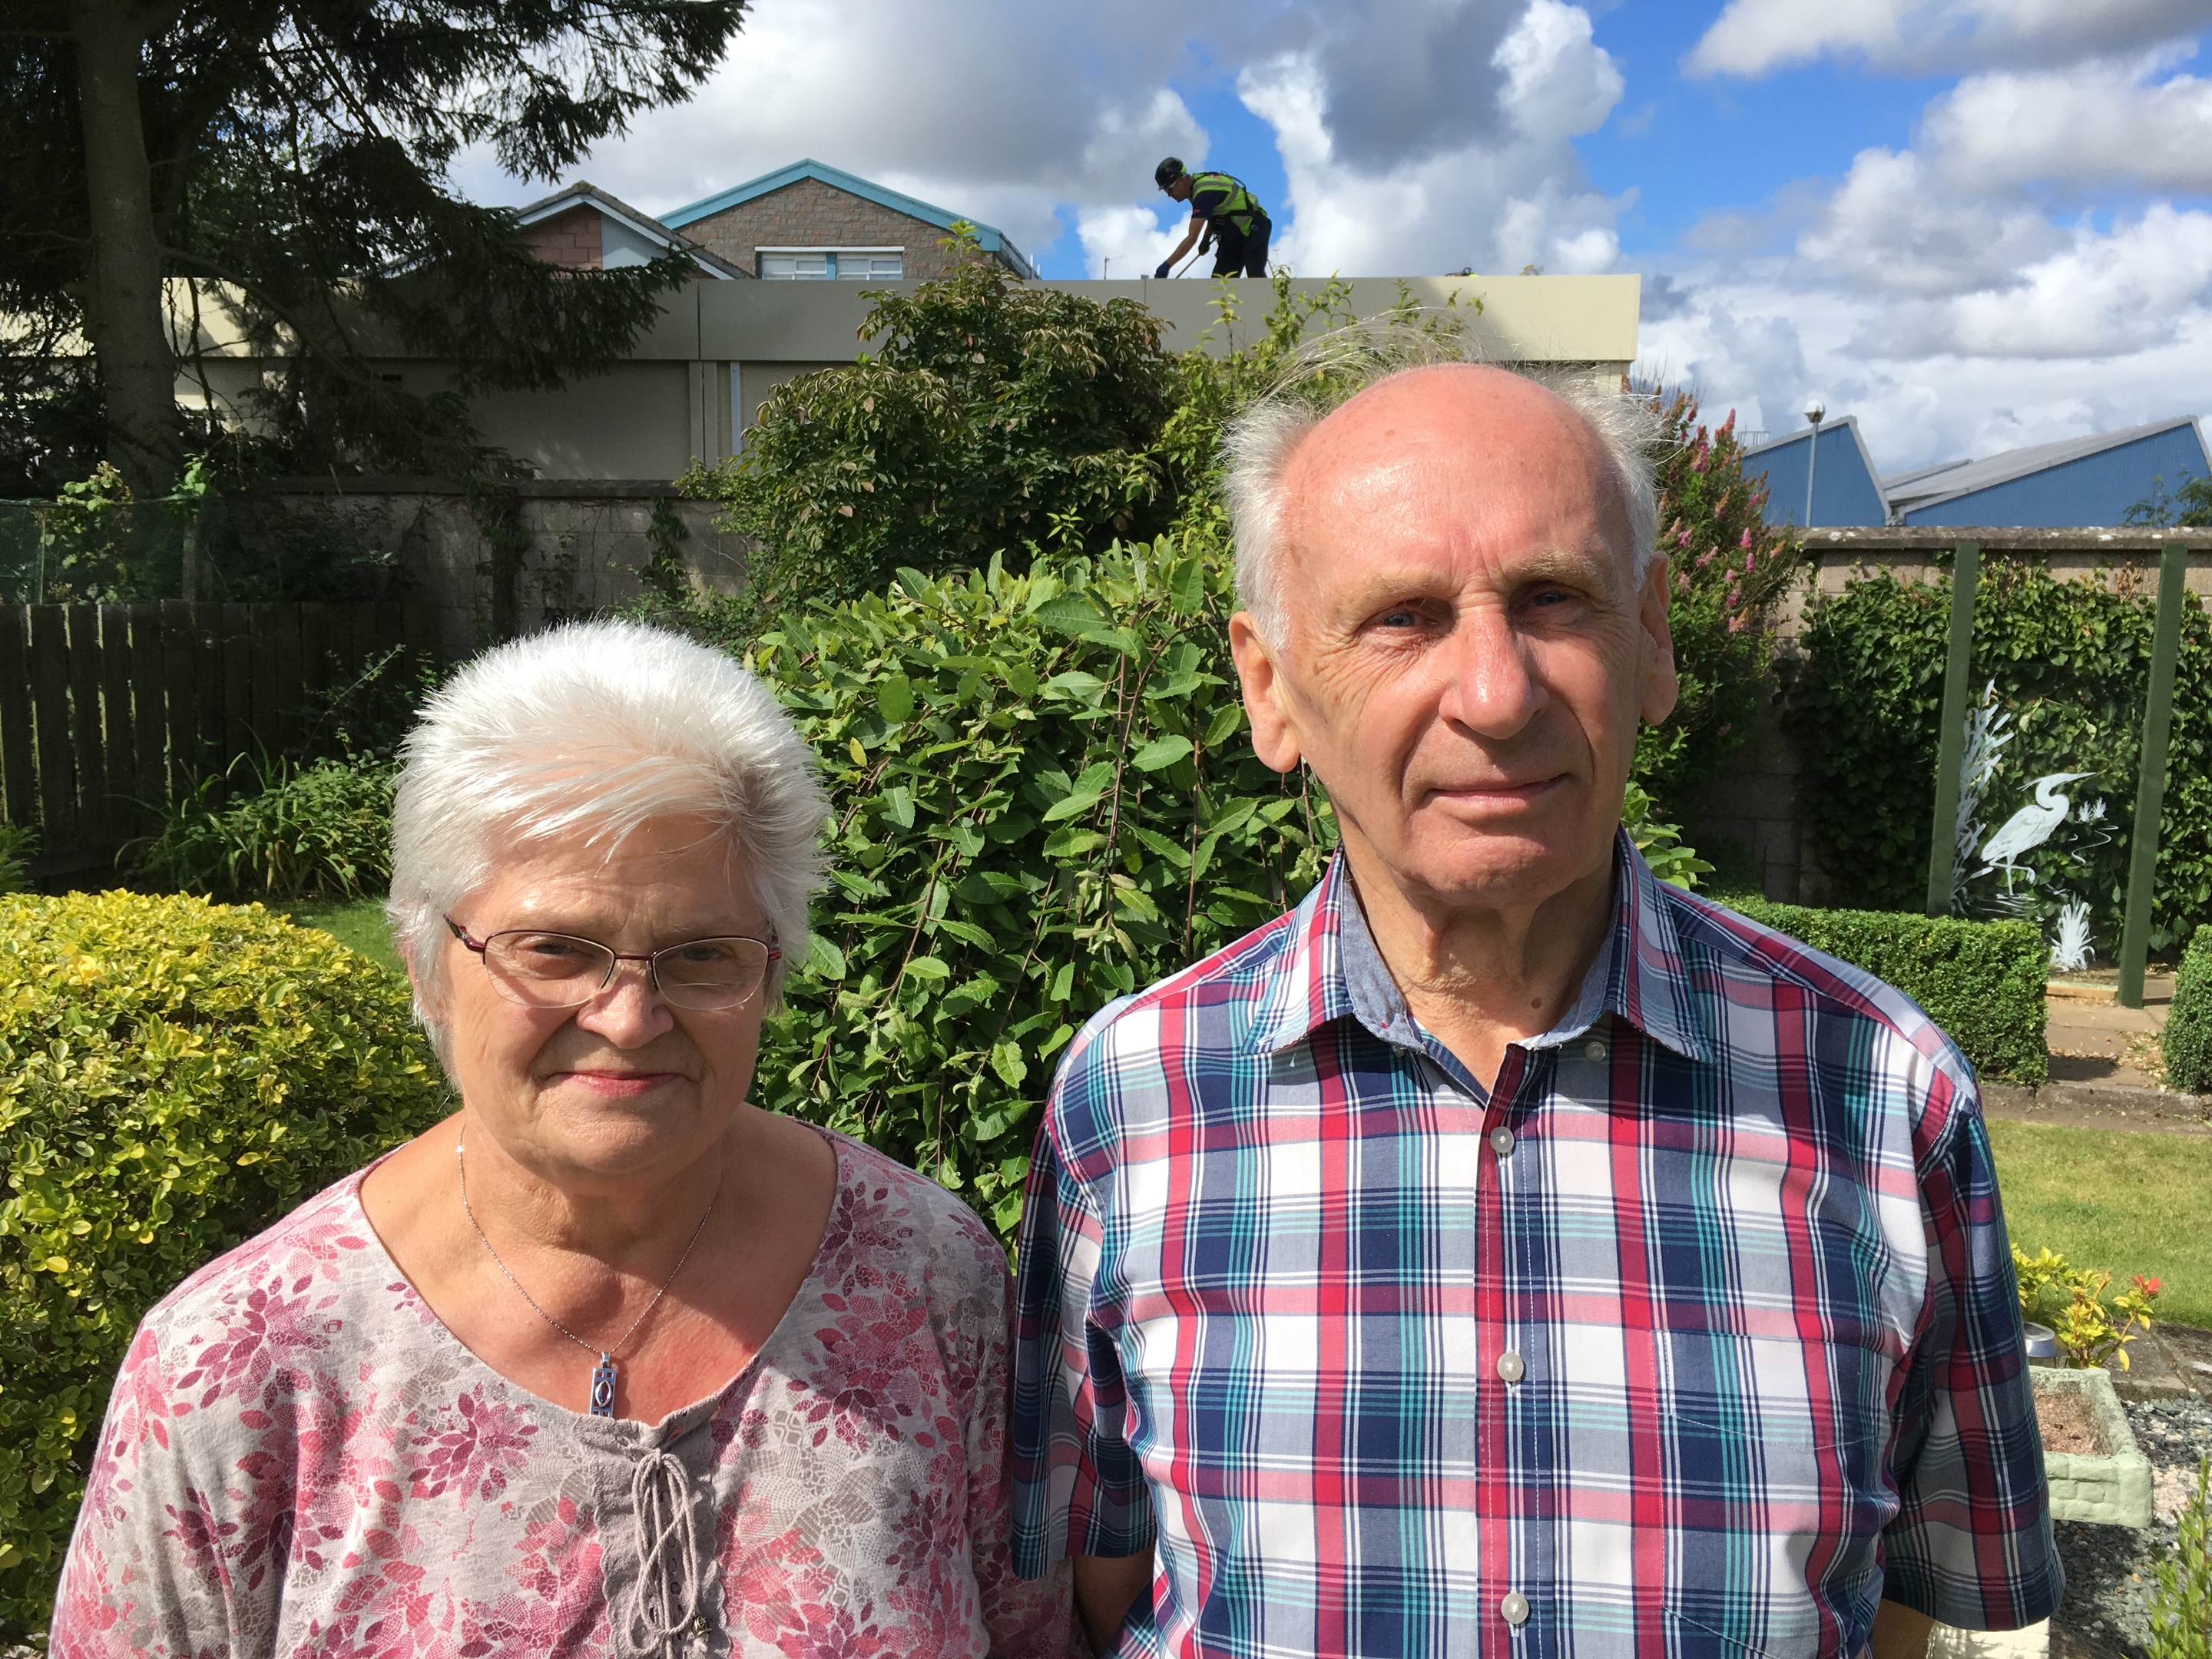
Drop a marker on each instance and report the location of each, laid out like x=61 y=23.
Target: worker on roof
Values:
x=1222 y=210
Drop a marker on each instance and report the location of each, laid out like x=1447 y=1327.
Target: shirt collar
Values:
x=1330 y=968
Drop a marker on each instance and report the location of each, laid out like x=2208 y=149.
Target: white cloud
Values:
x=2091 y=124
x=1516 y=196
x=1125 y=241
x=1757 y=37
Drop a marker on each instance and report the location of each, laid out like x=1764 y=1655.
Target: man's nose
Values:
x=1491 y=690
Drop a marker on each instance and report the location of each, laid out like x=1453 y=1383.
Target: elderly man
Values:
x=1505 y=1253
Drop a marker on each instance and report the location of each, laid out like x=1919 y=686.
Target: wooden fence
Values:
x=110 y=712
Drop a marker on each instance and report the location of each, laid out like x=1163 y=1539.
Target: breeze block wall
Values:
x=807 y=213
x=570 y=239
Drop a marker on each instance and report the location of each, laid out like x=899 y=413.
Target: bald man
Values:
x=1505 y=1253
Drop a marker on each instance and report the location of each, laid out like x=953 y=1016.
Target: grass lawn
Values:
x=359 y=925
x=2127 y=1203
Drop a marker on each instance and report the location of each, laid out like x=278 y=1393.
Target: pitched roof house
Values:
x=811 y=220
x=585 y=228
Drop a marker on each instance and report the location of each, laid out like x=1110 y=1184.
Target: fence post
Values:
x=2150 y=782
x=1950 y=747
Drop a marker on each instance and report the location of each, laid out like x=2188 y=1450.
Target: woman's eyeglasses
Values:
x=560 y=970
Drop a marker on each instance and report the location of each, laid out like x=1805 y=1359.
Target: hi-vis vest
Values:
x=1240 y=207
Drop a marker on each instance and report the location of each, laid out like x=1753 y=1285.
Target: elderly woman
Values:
x=610 y=1361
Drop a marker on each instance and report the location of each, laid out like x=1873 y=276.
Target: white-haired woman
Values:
x=610 y=1361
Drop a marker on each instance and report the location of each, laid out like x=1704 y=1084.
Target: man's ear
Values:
x=1274 y=738
x=1661 y=684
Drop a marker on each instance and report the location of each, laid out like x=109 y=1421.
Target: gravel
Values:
x=2110 y=1571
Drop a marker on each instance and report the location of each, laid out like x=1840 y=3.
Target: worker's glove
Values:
x=1163 y=271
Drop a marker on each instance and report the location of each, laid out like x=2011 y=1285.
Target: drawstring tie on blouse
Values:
x=663 y=1606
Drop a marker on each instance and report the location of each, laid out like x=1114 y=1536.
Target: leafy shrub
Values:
x=1044 y=800
x=322 y=830
x=2072 y=660
x=18 y=843
x=174 y=1077
x=2185 y=1044
x=1981 y=981
x=1729 y=572
x=2180 y=1608
x=2093 y=1322
x=993 y=414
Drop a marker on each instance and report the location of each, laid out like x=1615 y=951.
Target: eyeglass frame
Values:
x=651 y=959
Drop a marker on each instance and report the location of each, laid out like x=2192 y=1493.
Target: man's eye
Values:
x=1404 y=616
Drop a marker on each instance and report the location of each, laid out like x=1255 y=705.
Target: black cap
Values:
x=1168 y=172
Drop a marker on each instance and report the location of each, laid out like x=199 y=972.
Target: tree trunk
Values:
x=124 y=316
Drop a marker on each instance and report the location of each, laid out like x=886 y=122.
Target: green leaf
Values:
x=1071 y=613
x=1007 y=1060
x=898 y=805
x=823 y=959
x=1085 y=688
x=927 y=968
x=1160 y=753
x=895 y=699
x=1227 y=720
x=1187 y=586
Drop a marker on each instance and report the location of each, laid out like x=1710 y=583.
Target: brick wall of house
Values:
x=570 y=238
x=807 y=213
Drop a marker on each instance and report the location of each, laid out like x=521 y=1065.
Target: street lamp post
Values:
x=1814 y=412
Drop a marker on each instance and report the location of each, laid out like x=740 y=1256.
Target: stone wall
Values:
x=809 y=213
x=1754 y=803
x=587 y=540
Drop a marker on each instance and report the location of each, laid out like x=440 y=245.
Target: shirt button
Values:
x=1594 y=1049
x=1501 y=1141
x=1510 y=1367
x=1514 y=1609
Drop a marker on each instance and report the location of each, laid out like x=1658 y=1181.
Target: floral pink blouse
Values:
x=299 y=1459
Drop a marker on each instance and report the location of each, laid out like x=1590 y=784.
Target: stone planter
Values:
x=2113 y=1489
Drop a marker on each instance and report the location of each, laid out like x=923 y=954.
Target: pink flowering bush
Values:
x=1730 y=572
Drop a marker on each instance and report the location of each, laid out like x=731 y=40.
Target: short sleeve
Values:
x=1971 y=1543
x=1078 y=1489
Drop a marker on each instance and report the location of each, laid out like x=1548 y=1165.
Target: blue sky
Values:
x=1974 y=224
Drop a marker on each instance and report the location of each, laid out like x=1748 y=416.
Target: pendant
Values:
x=603 y=1387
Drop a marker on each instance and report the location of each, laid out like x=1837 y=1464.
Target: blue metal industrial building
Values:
x=2077 y=481
x=1847 y=491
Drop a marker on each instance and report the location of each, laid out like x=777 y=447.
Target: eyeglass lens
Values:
x=559 y=971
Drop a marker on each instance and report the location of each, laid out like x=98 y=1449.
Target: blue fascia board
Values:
x=992 y=240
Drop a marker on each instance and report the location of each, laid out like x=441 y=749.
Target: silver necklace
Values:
x=603 y=1375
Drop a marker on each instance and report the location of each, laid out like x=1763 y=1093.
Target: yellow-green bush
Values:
x=174 y=1076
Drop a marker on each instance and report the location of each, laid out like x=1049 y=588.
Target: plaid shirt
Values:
x=1700 y=1336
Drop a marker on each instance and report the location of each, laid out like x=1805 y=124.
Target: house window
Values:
x=849 y=264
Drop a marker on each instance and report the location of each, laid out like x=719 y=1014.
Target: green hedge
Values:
x=2187 y=1043
x=1981 y=981
x=174 y=1076
x=2071 y=664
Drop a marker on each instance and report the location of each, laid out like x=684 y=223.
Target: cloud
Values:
x=2016 y=273
x=2093 y=124
x=1754 y=37
x=1518 y=197
x=1001 y=111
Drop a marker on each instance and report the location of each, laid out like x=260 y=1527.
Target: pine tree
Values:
x=291 y=156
